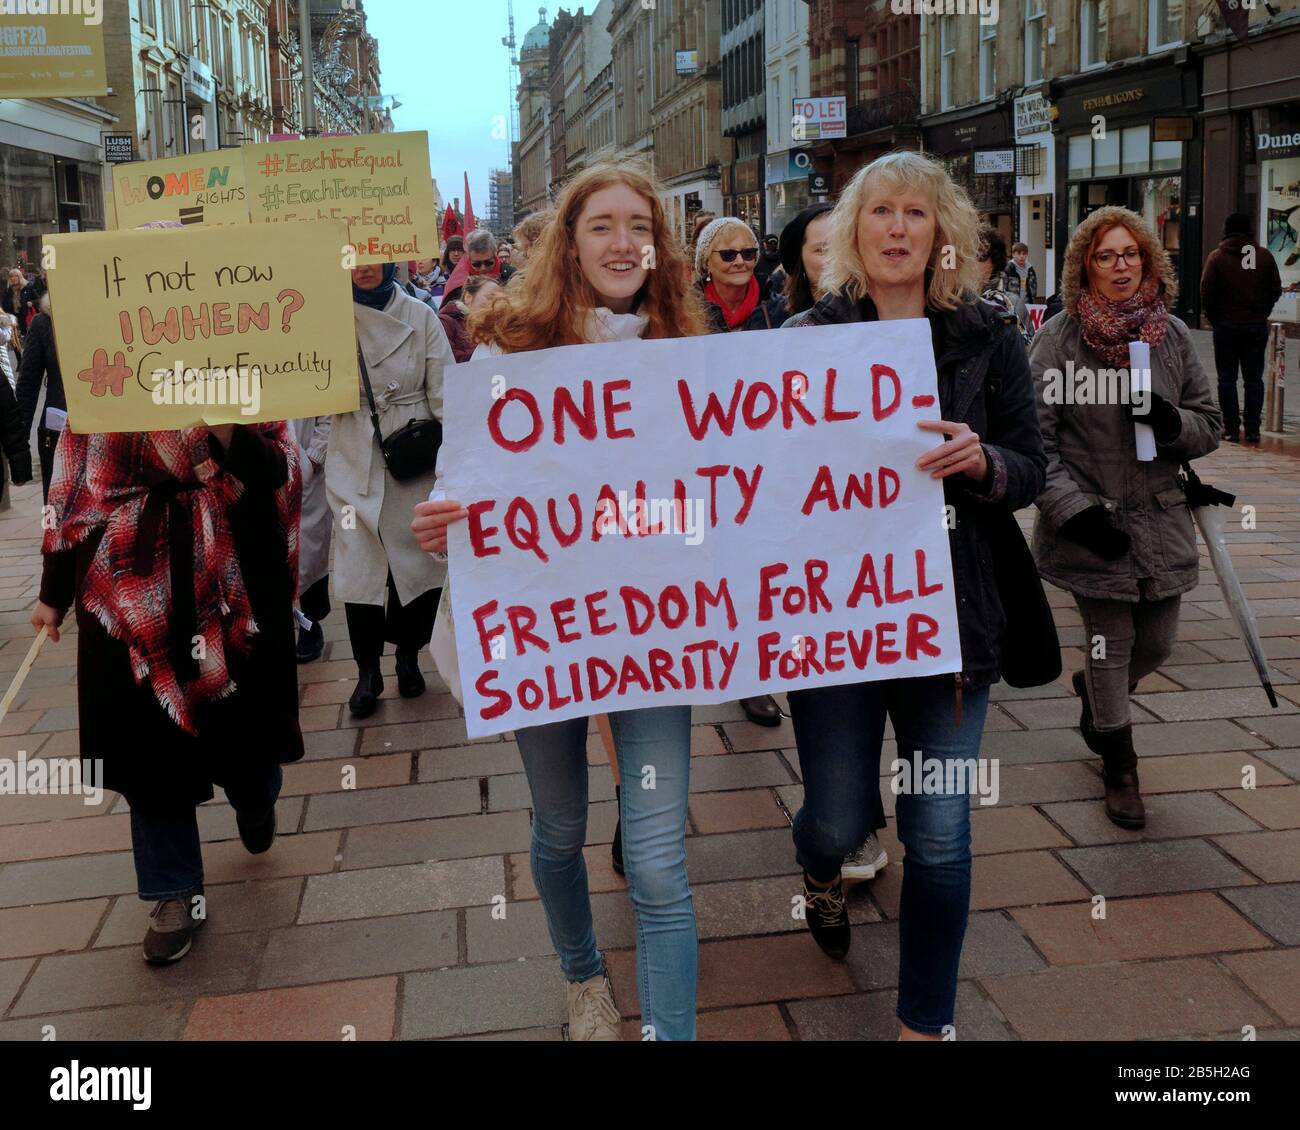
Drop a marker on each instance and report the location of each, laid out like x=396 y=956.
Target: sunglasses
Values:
x=729 y=256
x=481 y=264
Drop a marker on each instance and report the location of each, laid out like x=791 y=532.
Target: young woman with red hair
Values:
x=611 y=272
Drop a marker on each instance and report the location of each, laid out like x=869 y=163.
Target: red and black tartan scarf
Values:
x=165 y=579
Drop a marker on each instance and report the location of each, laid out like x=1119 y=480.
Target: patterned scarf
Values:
x=1109 y=326
x=165 y=579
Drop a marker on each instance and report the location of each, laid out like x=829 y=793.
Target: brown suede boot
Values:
x=1085 y=713
x=1119 y=774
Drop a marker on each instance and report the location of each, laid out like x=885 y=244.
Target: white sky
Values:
x=444 y=62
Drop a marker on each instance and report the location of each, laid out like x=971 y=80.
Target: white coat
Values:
x=312 y=435
x=405 y=351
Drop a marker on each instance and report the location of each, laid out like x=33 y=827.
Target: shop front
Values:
x=1134 y=141
x=1251 y=95
x=787 y=187
x=743 y=191
x=1035 y=187
x=50 y=173
x=979 y=152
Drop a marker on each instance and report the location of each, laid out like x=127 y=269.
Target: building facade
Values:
x=1251 y=117
x=687 y=115
x=631 y=37
x=788 y=67
x=501 y=206
x=533 y=165
x=744 y=111
x=859 y=50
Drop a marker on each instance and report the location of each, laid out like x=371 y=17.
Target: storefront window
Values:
x=1080 y=156
x=1136 y=145
x=1105 y=154
x=1166 y=155
x=28 y=209
x=1279 y=222
x=1162 y=208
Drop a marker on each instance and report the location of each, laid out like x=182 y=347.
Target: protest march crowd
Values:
x=239 y=534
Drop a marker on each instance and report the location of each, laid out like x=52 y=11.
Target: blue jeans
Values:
x=838 y=731
x=654 y=854
x=168 y=860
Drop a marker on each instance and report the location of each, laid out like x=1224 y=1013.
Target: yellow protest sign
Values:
x=378 y=183
x=203 y=188
x=52 y=48
x=170 y=328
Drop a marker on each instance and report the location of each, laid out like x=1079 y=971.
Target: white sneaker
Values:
x=592 y=1012
x=864 y=863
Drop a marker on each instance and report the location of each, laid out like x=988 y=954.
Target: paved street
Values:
x=375 y=908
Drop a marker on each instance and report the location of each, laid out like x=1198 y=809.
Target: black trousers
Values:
x=314 y=601
x=46 y=441
x=407 y=626
x=1242 y=345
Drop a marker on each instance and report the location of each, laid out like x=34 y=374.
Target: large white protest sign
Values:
x=695 y=521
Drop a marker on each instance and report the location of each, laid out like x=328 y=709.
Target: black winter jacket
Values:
x=13 y=437
x=983 y=382
x=40 y=362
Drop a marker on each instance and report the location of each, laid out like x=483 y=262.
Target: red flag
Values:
x=458 y=275
x=450 y=225
x=469 y=208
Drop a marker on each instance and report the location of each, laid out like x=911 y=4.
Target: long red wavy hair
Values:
x=546 y=304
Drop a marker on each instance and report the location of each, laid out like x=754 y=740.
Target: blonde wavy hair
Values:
x=956 y=225
x=1155 y=260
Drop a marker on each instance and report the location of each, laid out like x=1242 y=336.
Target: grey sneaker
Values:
x=867 y=861
x=592 y=1012
x=171 y=930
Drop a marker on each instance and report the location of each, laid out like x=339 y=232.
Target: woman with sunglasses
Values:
x=1116 y=532
x=600 y=290
x=726 y=253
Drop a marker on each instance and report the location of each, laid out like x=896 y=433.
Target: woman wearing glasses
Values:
x=1114 y=531
x=726 y=253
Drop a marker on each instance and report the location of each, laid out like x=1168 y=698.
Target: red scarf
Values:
x=165 y=570
x=1109 y=326
x=736 y=315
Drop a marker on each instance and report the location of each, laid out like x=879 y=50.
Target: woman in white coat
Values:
x=312 y=435
x=375 y=553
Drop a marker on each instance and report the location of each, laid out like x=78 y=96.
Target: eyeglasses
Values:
x=482 y=264
x=749 y=254
x=1106 y=259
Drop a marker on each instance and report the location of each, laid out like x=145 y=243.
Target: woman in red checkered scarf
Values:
x=179 y=549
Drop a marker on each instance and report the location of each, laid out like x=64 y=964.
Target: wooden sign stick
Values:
x=21 y=674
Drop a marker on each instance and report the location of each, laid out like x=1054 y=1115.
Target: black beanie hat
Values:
x=791 y=245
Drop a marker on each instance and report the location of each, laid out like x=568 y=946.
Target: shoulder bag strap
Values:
x=370 y=396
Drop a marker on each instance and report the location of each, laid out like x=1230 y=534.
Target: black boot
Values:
x=762 y=709
x=1119 y=774
x=311 y=643
x=364 y=700
x=257 y=835
x=1085 y=712
x=827 y=917
x=616 y=848
x=410 y=682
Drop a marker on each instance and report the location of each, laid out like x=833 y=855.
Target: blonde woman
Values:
x=886 y=260
x=1115 y=532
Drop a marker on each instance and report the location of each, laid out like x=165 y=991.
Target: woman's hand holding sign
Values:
x=963 y=452
x=431 y=522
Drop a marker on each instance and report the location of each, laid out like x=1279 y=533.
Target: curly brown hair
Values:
x=1155 y=260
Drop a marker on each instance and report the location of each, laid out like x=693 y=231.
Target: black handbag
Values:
x=1031 y=650
x=411 y=450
